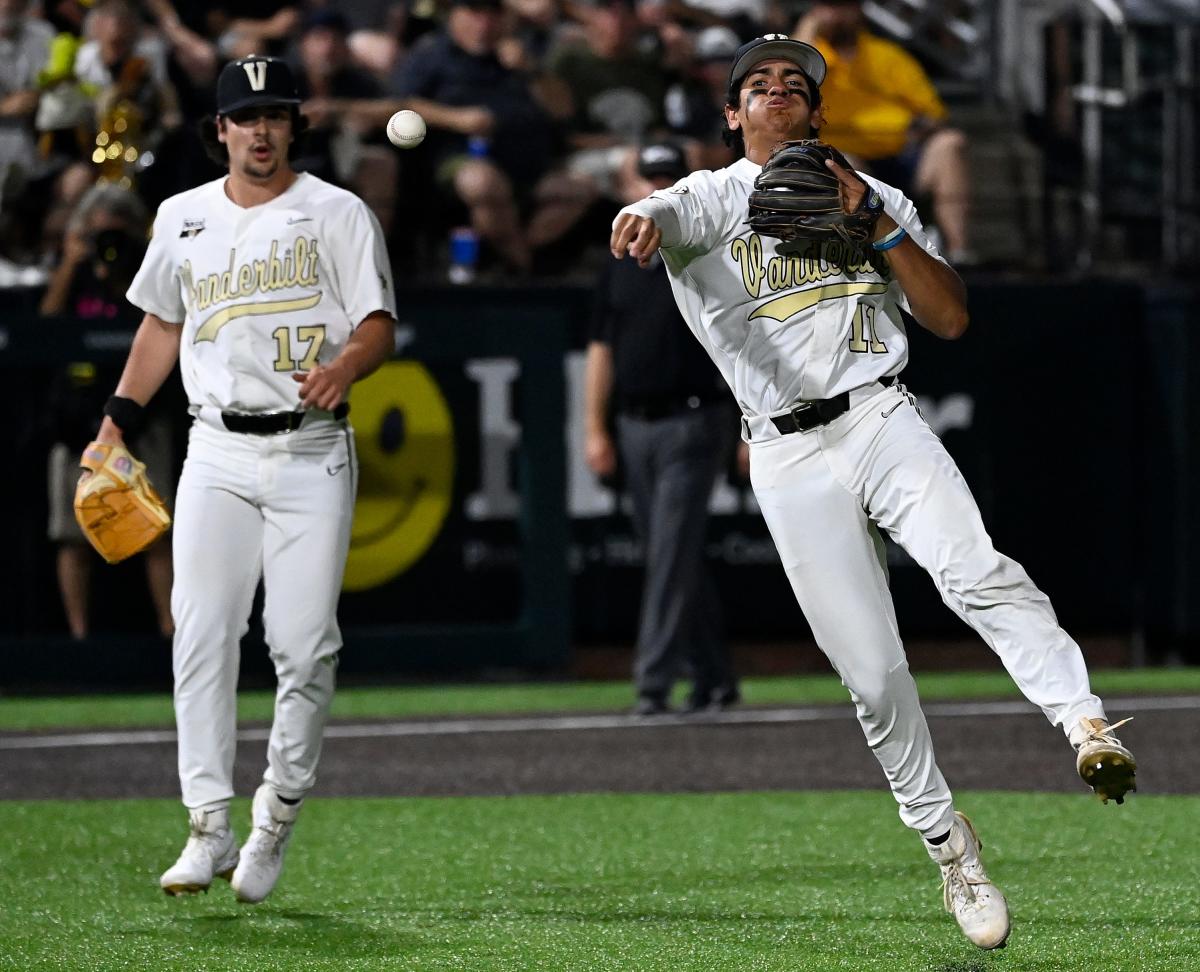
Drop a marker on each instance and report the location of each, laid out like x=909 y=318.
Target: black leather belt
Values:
x=805 y=416
x=272 y=423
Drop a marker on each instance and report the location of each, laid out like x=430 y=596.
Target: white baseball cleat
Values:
x=211 y=851
x=1103 y=763
x=968 y=893
x=262 y=854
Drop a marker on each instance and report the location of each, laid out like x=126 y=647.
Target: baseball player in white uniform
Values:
x=272 y=289
x=811 y=341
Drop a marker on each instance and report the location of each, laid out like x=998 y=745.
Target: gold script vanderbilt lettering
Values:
x=786 y=271
x=297 y=267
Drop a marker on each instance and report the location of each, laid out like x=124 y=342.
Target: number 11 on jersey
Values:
x=862 y=326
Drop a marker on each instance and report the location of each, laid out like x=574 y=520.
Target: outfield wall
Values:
x=482 y=541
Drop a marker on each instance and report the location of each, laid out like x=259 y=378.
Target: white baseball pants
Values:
x=277 y=507
x=824 y=495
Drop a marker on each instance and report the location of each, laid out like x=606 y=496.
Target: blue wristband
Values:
x=894 y=238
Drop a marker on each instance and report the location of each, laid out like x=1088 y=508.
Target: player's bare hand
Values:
x=639 y=236
x=852 y=186
x=600 y=453
x=323 y=387
x=110 y=433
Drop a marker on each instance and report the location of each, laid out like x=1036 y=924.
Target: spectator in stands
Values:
x=113 y=37
x=341 y=102
x=675 y=427
x=135 y=101
x=695 y=104
x=253 y=27
x=68 y=190
x=377 y=35
x=533 y=26
x=101 y=253
x=193 y=54
x=882 y=110
x=492 y=134
x=191 y=68
x=616 y=87
x=24 y=51
x=747 y=18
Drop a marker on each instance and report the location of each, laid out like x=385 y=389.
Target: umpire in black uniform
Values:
x=650 y=381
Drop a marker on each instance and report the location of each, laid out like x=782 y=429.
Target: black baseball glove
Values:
x=796 y=197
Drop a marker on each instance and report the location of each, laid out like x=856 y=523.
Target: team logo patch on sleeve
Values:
x=191 y=228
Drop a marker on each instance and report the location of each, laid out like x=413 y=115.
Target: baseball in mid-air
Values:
x=406 y=129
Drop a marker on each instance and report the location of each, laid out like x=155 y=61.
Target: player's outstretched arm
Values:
x=153 y=354
x=639 y=236
x=371 y=344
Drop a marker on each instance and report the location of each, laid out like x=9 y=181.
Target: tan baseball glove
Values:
x=115 y=505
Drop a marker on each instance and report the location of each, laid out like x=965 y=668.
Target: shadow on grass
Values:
x=305 y=917
x=283 y=932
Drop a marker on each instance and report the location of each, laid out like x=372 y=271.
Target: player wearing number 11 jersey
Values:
x=810 y=337
x=272 y=290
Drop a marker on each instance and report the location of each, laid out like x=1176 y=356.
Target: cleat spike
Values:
x=1103 y=763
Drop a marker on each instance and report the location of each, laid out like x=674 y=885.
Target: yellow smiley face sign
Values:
x=405 y=439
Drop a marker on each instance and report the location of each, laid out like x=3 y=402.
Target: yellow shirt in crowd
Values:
x=872 y=100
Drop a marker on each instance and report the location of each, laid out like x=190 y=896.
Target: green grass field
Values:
x=795 y=881
x=775 y=881
x=82 y=711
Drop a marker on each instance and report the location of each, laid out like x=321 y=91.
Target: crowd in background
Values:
x=536 y=111
x=534 y=108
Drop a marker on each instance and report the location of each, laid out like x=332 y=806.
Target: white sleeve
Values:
x=364 y=272
x=689 y=214
x=904 y=211
x=156 y=288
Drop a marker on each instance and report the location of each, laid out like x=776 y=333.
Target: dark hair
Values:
x=215 y=149
x=734 y=139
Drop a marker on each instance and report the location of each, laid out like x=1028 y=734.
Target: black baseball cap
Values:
x=662 y=159
x=771 y=47
x=253 y=82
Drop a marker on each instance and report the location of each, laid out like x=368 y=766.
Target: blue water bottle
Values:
x=464 y=241
x=464 y=254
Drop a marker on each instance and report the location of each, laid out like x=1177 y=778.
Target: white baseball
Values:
x=406 y=129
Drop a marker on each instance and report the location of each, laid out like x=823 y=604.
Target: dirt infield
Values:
x=982 y=746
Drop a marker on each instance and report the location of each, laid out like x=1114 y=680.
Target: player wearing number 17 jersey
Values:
x=811 y=339
x=272 y=290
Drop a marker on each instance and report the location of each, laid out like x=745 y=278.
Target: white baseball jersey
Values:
x=789 y=323
x=262 y=292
